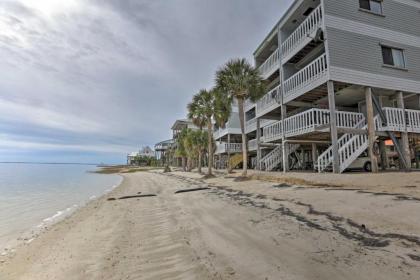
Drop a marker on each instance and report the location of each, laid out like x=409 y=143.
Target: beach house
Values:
x=176 y=128
x=343 y=78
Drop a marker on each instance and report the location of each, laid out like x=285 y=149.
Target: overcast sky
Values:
x=91 y=80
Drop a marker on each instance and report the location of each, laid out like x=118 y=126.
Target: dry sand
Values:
x=234 y=230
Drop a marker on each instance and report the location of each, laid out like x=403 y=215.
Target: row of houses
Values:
x=344 y=84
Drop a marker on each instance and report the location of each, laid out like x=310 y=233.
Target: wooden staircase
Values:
x=235 y=160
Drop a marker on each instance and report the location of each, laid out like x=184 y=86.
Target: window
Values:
x=393 y=57
x=375 y=6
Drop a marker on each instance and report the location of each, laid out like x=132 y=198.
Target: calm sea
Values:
x=33 y=196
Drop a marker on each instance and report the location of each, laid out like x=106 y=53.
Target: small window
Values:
x=393 y=57
x=375 y=6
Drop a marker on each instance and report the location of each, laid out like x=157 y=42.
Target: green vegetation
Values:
x=191 y=144
x=239 y=80
x=205 y=107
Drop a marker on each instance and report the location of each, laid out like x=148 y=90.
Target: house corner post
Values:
x=258 y=167
x=371 y=129
x=405 y=145
x=333 y=127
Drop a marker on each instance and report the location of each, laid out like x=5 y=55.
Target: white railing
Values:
x=413 y=118
x=326 y=158
x=311 y=23
x=400 y=121
x=270 y=65
x=308 y=121
x=250 y=125
x=272 y=132
x=225 y=147
x=313 y=71
x=272 y=159
x=395 y=119
x=252 y=145
x=350 y=151
x=248 y=105
x=268 y=100
x=275 y=157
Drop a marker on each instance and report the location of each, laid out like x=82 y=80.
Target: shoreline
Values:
x=219 y=233
x=48 y=223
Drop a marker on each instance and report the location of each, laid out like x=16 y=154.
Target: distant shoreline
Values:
x=54 y=163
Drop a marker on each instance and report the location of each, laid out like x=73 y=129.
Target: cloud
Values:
x=98 y=73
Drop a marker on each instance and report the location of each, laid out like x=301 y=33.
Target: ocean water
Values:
x=33 y=196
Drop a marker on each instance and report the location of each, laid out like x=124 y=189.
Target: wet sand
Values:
x=233 y=230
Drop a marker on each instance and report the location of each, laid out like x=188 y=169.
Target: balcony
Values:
x=252 y=145
x=399 y=121
x=268 y=102
x=220 y=132
x=311 y=76
x=249 y=105
x=303 y=35
x=271 y=65
x=310 y=121
x=251 y=125
x=223 y=148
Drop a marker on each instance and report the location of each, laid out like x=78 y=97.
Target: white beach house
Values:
x=344 y=77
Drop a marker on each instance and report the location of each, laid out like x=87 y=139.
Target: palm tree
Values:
x=198 y=117
x=181 y=150
x=210 y=105
x=239 y=80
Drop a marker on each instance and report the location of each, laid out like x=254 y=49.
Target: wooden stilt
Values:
x=229 y=168
x=333 y=125
x=285 y=156
x=258 y=167
x=405 y=145
x=384 y=157
x=314 y=155
x=371 y=129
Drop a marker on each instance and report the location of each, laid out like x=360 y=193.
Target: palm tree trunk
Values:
x=199 y=160
x=244 y=141
x=210 y=138
x=183 y=164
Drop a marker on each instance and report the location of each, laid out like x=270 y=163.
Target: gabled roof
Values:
x=181 y=122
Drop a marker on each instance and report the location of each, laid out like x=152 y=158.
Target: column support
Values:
x=384 y=157
x=258 y=167
x=405 y=145
x=333 y=127
x=229 y=168
x=314 y=156
x=371 y=129
x=285 y=155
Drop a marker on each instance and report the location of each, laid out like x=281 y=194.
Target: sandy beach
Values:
x=232 y=230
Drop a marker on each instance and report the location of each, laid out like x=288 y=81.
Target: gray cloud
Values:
x=115 y=73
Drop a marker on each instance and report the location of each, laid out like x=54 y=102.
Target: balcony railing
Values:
x=306 y=79
x=309 y=121
x=252 y=145
x=225 y=148
x=413 y=117
x=269 y=100
x=270 y=65
x=400 y=121
x=311 y=23
x=248 y=105
x=250 y=125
